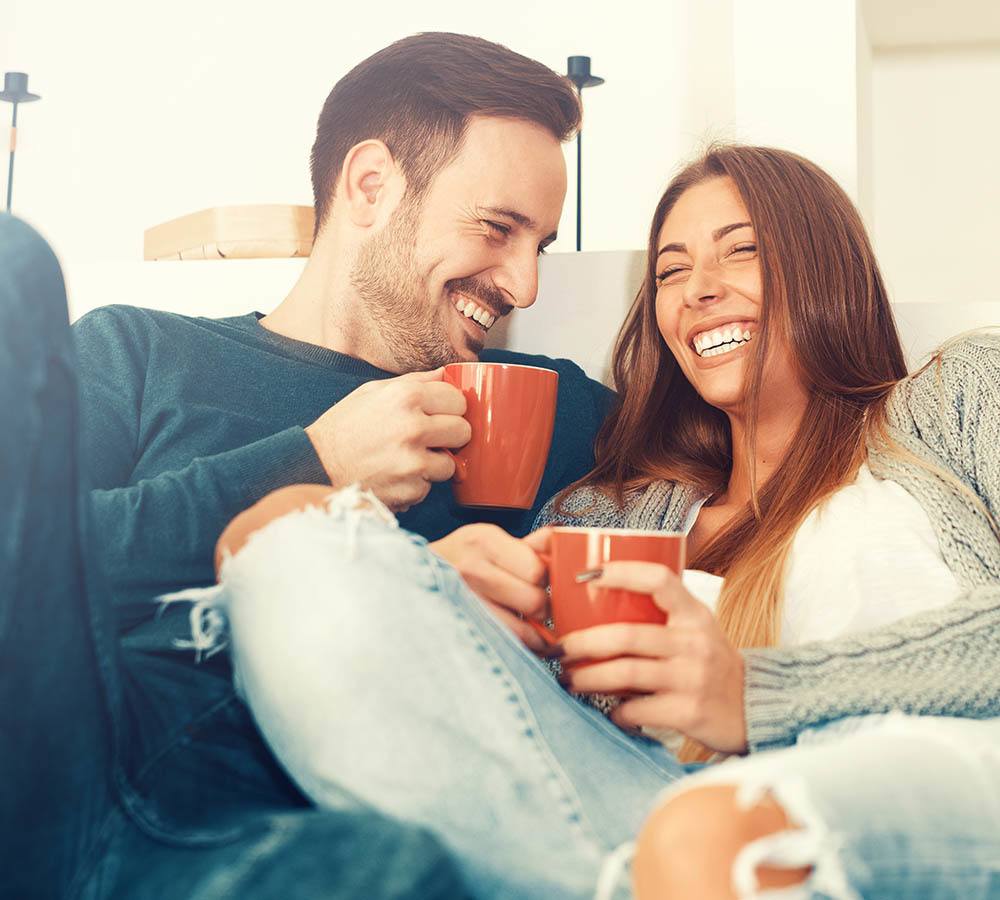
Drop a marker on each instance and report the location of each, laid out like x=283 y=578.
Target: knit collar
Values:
x=312 y=353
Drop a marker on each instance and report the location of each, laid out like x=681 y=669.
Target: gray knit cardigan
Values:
x=941 y=663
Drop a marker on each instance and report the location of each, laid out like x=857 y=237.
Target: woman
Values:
x=766 y=411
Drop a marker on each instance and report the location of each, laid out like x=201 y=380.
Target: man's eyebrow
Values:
x=717 y=235
x=512 y=214
x=520 y=219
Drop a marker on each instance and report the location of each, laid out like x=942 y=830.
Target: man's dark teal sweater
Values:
x=188 y=421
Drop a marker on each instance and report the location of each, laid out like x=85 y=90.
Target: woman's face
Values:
x=709 y=293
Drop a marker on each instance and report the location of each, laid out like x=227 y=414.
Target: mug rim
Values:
x=501 y=365
x=616 y=532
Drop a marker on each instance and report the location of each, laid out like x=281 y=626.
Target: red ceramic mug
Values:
x=512 y=412
x=575 y=553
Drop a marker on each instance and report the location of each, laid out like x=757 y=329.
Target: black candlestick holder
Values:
x=15 y=90
x=578 y=71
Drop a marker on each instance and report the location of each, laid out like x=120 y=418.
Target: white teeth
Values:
x=471 y=310
x=722 y=340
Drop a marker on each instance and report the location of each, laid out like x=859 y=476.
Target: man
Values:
x=439 y=179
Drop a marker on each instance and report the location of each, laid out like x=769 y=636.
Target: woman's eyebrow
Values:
x=720 y=233
x=671 y=248
x=717 y=235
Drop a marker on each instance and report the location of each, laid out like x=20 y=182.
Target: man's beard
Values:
x=407 y=320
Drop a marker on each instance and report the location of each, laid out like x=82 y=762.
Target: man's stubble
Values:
x=406 y=320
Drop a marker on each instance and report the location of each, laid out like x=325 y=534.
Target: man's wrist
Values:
x=336 y=477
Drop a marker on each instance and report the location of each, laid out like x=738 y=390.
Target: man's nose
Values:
x=518 y=279
x=703 y=285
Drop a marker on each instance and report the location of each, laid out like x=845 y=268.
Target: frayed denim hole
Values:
x=810 y=842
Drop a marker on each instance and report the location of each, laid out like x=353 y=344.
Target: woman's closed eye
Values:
x=667 y=274
x=670 y=274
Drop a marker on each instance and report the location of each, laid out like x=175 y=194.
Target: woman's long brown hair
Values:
x=822 y=291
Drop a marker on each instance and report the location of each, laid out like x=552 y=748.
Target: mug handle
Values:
x=542 y=631
x=460 y=466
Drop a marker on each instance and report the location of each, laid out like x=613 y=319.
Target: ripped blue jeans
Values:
x=369 y=665
x=885 y=806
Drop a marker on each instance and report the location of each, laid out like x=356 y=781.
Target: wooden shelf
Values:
x=264 y=231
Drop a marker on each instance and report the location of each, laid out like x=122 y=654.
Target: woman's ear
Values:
x=367 y=186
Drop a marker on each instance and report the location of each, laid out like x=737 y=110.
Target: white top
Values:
x=863 y=558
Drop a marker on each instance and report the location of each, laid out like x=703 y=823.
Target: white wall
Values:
x=148 y=113
x=151 y=113
x=936 y=128
x=797 y=85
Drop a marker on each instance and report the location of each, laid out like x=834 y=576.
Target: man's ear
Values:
x=369 y=188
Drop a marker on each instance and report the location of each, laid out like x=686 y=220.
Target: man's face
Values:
x=446 y=267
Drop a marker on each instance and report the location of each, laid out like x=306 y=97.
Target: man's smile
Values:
x=469 y=308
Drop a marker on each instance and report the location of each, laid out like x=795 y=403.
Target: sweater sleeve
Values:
x=938 y=663
x=159 y=534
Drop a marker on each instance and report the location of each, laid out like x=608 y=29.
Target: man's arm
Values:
x=158 y=534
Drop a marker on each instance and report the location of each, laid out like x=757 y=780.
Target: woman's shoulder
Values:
x=587 y=506
x=963 y=374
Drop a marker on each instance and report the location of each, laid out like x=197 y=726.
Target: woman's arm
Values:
x=943 y=662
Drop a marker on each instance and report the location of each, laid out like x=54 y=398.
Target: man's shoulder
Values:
x=137 y=328
x=136 y=319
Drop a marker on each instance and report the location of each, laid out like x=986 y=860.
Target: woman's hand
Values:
x=505 y=572
x=687 y=674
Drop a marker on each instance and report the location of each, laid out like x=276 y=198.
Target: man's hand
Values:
x=687 y=674
x=504 y=571
x=387 y=435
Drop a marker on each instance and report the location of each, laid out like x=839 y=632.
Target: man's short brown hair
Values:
x=417 y=96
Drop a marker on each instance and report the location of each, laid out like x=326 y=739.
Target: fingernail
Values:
x=588 y=575
x=556 y=651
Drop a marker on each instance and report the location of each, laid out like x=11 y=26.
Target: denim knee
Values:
x=32 y=292
x=347 y=566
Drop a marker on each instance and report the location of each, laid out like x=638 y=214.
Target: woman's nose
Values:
x=703 y=286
